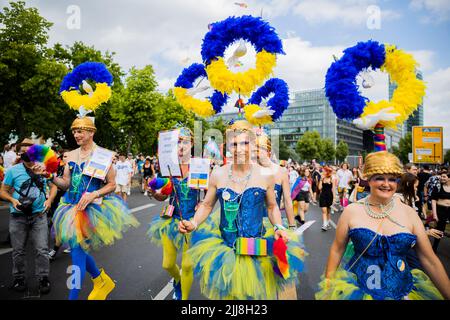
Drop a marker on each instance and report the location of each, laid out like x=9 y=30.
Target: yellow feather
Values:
x=225 y=81
x=250 y=110
x=202 y=108
x=75 y=100
x=410 y=91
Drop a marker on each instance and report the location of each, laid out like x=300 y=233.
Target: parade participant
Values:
x=282 y=187
x=362 y=188
x=441 y=206
x=382 y=230
x=344 y=176
x=164 y=230
x=224 y=258
x=327 y=189
x=90 y=215
x=124 y=174
x=147 y=172
x=305 y=194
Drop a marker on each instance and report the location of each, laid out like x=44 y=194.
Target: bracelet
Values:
x=194 y=223
x=50 y=177
x=97 y=194
x=278 y=227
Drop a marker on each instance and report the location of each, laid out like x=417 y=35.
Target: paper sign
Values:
x=168 y=153
x=199 y=173
x=99 y=164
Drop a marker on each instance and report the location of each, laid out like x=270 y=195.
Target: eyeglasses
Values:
x=242 y=143
x=185 y=142
x=383 y=179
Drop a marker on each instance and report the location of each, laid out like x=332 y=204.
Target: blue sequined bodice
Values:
x=187 y=197
x=249 y=218
x=382 y=271
x=79 y=183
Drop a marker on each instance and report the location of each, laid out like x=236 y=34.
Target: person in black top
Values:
x=441 y=206
x=423 y=176
x=149 y=173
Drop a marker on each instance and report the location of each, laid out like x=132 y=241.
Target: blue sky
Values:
x=168 y=35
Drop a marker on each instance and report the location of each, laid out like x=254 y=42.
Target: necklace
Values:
x=238 y=180
x=385 y=211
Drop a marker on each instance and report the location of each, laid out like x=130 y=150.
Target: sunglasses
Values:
x=383 y=179
x=185 y=142
x=242 y=143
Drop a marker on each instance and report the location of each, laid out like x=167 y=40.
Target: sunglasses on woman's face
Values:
x=242 y=143
x=384 y=178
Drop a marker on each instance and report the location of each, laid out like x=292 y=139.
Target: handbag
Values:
x=167 y=211
x=251 y=246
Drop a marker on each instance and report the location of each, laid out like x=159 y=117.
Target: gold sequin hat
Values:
x=382 y=162
x=84 y=123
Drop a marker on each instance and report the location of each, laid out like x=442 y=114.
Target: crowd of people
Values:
x=252 y=205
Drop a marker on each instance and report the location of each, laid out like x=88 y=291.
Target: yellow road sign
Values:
x=427 y=145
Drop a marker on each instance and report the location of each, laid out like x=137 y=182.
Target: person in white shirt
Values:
x=9 y=157
x=124 y=172
x=344 y=176
x=293 y=175
x=133 y=168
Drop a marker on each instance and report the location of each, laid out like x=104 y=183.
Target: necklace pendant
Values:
x=226 y=196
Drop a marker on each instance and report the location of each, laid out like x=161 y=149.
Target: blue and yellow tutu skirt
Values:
x=225 y=275
x=168 y=227
x=344 y=286
x=94 y=227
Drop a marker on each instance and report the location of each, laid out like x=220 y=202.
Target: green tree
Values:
x=447 y=157
x=341 y=151
x=327 y=150
x=308 y=146
x=134 y=111
x=404 y=147
x=29 y=74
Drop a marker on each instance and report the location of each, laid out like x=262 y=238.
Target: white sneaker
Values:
x=324 y=227
x=328 y=226
x=145 y=193
x=67 y=250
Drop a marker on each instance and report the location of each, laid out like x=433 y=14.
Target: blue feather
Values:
x=279 y=102
x=252 y=29
x=96 y=71
x=340 y=82
x=193 y=72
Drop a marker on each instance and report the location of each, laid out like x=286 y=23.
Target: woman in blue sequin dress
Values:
x=382 y=231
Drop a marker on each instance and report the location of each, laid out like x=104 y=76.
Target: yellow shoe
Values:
x=103 y=285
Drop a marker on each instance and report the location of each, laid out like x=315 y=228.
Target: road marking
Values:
x=5 y=251
x=333 y=224
x=142 y=207
x=165 y=291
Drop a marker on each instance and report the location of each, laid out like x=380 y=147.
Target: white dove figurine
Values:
x=265 y=111
x=370 y=121
x=194 y=91
x=87 y=87
x=240 y=51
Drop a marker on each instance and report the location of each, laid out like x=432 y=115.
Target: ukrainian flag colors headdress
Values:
x=86 y=103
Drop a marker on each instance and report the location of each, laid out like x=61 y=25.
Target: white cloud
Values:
x=436 y=102
x=437 y=10
x=348 y=12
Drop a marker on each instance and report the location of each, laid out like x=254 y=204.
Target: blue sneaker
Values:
x=176 y=290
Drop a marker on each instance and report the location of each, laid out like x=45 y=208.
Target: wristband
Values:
x=278 y=227
x=194 y=223
x=292 y=227
x=50 y=177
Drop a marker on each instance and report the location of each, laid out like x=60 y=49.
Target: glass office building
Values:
x=309 y=110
